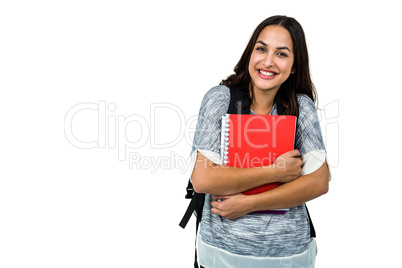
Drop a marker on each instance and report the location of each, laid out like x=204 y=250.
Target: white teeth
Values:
x=267 y=73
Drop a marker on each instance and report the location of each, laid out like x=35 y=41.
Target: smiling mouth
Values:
x=271 y=74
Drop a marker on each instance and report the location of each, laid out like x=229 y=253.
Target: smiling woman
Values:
x=282 y=37
x=271 y=61
x=274 y=72
x=271 y=64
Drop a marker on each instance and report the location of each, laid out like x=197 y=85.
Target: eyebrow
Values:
x=284 y=47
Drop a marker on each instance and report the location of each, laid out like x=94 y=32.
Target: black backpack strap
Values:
x=280 y=108
x=312 y=229
x=240 y=102
x=197 y=224
x=196 y=205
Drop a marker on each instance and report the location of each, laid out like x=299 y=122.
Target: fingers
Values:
x=293 y=153
x=216 y=211
x=227 y=207
x=215 y=205
x=219 y=212
x=290 y=166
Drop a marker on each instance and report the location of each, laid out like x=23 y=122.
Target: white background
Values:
x=65 y=206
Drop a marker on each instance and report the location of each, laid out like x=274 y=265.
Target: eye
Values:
x=260 y=48
x=281 y=54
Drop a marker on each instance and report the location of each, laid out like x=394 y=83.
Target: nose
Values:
x=268 y=60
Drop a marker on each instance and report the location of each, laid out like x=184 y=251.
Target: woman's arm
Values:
x=294 y=193
x=211 y=178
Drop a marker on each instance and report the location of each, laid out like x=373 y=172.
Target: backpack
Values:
x=239 y=104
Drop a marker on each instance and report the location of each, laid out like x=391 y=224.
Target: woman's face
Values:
x=271 y=61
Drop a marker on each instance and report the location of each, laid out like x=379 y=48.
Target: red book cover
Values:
x=256 y=140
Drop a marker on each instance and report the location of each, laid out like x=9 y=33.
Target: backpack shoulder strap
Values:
x=196 y=205
x=312 y=229
x=240 y=102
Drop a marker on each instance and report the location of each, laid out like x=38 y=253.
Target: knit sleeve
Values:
x=207 y=136
x=309 y=139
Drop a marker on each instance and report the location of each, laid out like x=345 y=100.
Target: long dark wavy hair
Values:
x=297 y=83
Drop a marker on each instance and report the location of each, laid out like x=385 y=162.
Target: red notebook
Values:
x=256 y=140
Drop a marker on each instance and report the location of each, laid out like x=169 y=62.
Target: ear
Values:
x=293 y=70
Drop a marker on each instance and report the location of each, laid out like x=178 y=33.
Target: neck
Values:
x=263 y=101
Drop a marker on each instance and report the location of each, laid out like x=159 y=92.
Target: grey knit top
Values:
x=257 y=235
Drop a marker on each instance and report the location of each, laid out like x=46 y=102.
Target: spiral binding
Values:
x=225 y=139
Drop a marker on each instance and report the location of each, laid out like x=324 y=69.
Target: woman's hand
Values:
x=231 y=207
x=289 y=166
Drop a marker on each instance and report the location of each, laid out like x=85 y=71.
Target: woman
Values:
x=274 y=66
